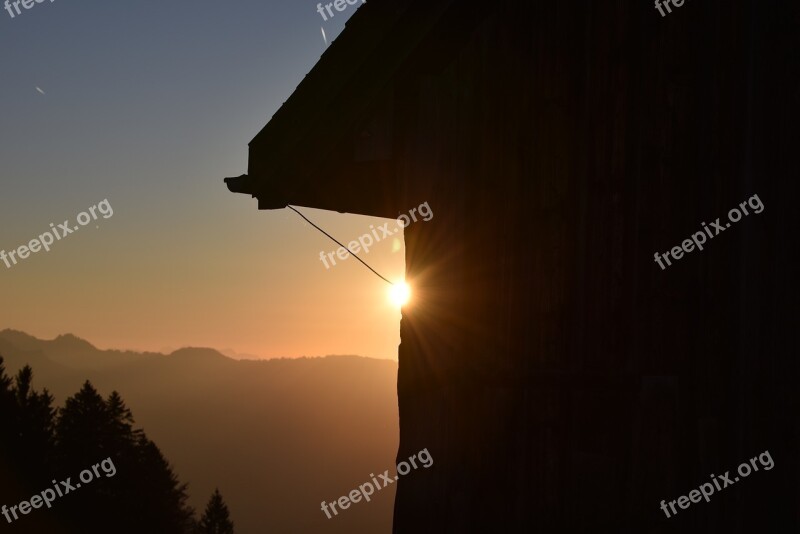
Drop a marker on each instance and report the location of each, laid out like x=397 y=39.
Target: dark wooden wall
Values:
x=560 y=379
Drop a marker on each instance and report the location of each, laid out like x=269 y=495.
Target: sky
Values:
x=149 y=105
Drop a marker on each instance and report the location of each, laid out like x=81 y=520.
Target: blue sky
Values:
x=150 y=104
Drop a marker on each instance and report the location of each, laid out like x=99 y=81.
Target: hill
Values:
x=277 y=436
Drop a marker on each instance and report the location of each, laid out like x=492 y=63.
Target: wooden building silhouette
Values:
x=561 y=380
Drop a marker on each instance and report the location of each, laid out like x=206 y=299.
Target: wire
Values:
x=340 y=244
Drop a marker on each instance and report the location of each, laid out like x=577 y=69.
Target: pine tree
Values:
x=8 y=436
x=161 y=495
x=27 y=422
x=35 y=426
x=82 y=430
x=216 y=519
x=122 y=437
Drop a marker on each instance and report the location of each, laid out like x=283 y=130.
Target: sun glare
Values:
x=399 y=294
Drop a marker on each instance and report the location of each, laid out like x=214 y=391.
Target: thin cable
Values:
x=337 y=242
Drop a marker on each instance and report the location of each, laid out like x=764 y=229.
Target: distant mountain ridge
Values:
x=70 y=350
x=277 y=436
x=69 y=345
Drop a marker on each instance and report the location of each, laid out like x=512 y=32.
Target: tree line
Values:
x=41 y=445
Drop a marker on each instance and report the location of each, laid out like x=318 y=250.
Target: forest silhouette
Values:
x=40 y=443
x=252 y=428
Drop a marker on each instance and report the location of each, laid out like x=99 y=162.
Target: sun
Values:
x=399 y=294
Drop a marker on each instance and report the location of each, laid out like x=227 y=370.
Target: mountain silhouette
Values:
x=277 y=437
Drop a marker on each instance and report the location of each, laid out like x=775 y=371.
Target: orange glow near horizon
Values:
x=252 y=287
